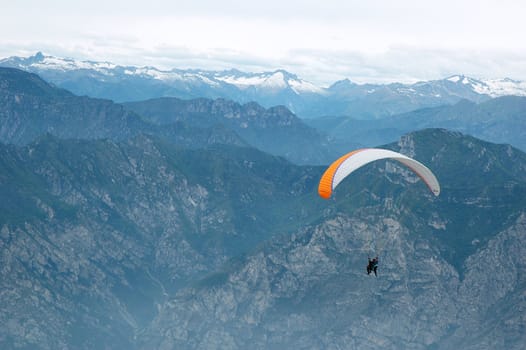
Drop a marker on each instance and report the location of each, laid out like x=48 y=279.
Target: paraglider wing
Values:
x=348 y=163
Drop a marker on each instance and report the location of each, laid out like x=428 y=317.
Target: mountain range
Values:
x=500 y=120
x=172 y=223
x=361 y=101
x=141 y=244
x=275 y=130
x=31 y=107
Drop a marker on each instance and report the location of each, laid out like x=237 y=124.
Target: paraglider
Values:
x=348 y=163
x=372 y=266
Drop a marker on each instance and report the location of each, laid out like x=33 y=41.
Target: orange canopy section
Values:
x=326 y=181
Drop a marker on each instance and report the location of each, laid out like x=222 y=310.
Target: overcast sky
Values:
x=321 y=41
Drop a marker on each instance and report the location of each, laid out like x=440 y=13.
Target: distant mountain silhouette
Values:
x=500 y=120
x=361 y=101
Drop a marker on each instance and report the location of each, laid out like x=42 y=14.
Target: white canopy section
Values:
x=345 y=165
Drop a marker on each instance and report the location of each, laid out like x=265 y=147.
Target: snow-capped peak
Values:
x=492 y=87
x=246 y=80
x=41 y=61
x=276 y=80
x=464 y=80
x=273 y=81
x=503 y=87
x=455 y=78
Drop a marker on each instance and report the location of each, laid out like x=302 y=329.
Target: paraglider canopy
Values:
x=348 y=163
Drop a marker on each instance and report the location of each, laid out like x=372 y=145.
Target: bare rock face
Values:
x=96 y=235
x=310 y=290
x=491 y=297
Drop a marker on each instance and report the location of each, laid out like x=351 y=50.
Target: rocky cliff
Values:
x=96 y=234
x=445 y=280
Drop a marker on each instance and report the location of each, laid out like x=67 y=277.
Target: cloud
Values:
x=411 y=64
x=320 y=66
x=378 y=41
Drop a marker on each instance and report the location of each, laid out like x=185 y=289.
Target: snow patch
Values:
x=243 y=82
x=65 y=64
x=502 y=87
x=271 y=81
x=300 y=86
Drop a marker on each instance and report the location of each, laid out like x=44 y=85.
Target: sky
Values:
x=320 y=41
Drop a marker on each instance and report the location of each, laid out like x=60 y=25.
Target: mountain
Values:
x=362 y=101
x=96 y=234
x=451 y=269
x=397 y=98
x=119 y=83
x=500 y=120
x=275 y=130
x=141 y=244
x=31 y=107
